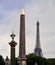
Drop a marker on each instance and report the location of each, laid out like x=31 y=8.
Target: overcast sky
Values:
x=10 y=20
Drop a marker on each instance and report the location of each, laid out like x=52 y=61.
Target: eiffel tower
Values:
x=38 y=50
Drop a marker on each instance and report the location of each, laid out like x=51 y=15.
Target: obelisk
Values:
x=22 y=49
x=12 y=45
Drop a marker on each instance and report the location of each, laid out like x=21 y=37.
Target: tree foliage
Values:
x=32 y=59
x=2 y=60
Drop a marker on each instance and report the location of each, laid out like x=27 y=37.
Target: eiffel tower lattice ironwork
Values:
x=38 y=50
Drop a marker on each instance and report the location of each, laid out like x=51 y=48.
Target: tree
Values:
x=2 y=60
x=32 y=59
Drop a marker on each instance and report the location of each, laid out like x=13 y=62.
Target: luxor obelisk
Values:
x=22 y=50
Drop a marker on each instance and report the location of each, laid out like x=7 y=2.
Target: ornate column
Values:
x=12 y=45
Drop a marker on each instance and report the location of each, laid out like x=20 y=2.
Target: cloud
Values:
x=8 y=4
x=46 y=15
x=9 y=20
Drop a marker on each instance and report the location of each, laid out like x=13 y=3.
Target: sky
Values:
x=10 y=20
